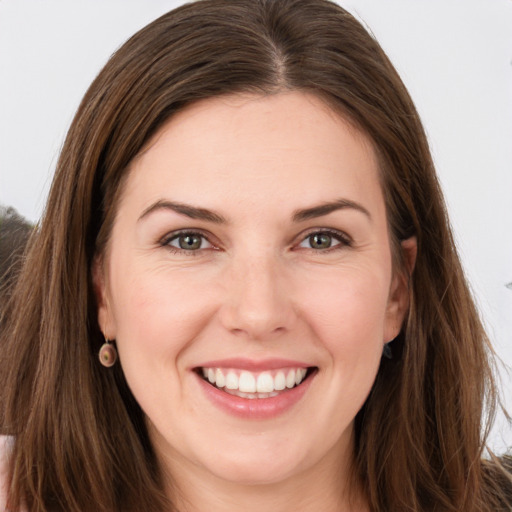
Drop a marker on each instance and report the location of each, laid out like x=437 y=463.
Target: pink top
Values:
x=4 y=449
x=5 y=446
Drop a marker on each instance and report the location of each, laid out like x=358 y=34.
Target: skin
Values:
x=256 y=288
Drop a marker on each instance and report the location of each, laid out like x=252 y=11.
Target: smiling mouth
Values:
x=253 y=385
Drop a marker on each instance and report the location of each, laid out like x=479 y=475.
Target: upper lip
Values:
x=254 y=365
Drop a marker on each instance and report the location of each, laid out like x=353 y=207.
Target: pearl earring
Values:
x=108 y=354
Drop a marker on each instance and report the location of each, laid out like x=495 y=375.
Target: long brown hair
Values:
x=80 y=439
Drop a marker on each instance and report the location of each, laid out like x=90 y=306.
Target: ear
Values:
x=398 y=301
x=101 y=292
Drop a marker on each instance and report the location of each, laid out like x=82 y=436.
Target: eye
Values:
x=187 y=241
x=324 y=240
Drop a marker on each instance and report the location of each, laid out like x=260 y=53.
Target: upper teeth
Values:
x=249 y=382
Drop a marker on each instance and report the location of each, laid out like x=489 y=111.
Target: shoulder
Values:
x=5 y=448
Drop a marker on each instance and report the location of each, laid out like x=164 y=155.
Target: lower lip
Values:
x=256 y=408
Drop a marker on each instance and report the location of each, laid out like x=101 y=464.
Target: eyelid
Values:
x=165 y=240
x=344 y=239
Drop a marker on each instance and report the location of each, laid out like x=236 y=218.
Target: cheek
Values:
x=158 y=317
x=347 y=310
x=157 y=313
x=347 y=314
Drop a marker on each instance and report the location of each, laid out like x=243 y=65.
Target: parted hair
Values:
x=80 y=440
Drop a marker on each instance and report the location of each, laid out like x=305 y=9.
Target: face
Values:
x=249 y=287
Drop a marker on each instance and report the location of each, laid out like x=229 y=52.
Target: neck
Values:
x=328 y=485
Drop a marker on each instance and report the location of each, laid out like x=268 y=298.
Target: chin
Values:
x=259 y=465
x=256 y=473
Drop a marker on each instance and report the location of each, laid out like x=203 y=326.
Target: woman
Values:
x=245 y=225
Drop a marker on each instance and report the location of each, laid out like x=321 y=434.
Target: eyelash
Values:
x=343 y=239
x=175 y=235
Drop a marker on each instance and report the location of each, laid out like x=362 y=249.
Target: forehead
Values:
x=289 y=146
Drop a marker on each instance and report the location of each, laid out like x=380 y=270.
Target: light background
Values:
x=455 y=56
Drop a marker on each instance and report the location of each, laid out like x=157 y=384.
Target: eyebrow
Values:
x=326 y=208
x=302 y=215
x=184 y=209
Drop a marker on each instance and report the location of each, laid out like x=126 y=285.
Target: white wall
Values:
x=455 y=56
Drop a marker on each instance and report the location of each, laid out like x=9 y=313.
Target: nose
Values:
x=258 y=304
